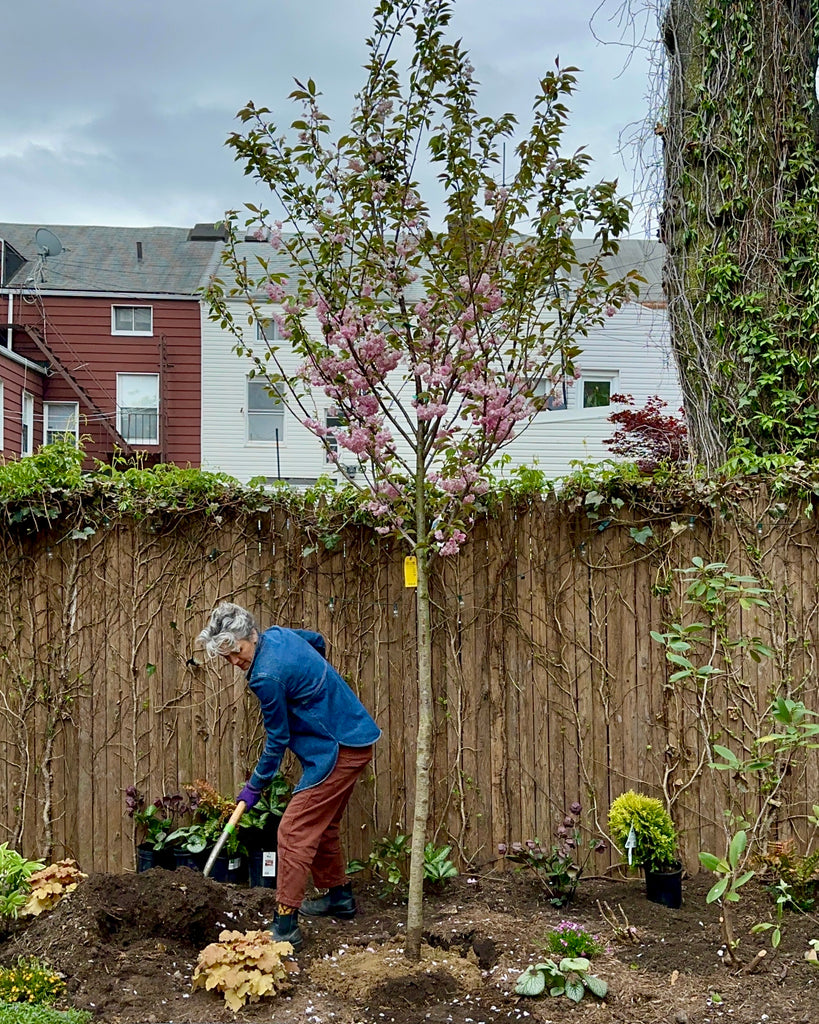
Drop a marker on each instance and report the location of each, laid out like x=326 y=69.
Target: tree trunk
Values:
x=423 y=751
x=740 y=149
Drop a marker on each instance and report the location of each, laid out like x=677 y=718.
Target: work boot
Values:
x=286 y=929
x=339 y=902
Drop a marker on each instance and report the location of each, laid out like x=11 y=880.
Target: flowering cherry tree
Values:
x=436 y=345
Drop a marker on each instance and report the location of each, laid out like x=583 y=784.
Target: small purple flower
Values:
x=517 y=848
x=600 y=847
x=562 y=831
x=531 y=844
x=576 y=809
x=502 y=849
x=568 y=822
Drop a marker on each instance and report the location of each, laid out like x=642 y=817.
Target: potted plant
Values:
x=643 y=831
x=155 y=823
x=211 y=812
x=258 y=832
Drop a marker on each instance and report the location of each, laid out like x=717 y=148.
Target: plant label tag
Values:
x=269 y=864
x=234 y=863
x=631 y=843
x=410 y=571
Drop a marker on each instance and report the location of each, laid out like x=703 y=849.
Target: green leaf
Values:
x=150 y=669
x=737 y=847
x=746 y=877
x=531 y=983
x=574 y=989
x=557 y=990
x=641 y=536
x=709 y=861
x=596 y=985
x=717 y=890
x=728 y=755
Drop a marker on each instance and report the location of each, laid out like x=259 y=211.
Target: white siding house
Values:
x=246 y=434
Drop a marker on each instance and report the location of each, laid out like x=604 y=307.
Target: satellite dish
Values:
x=47 y=242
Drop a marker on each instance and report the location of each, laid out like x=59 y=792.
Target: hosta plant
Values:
x=15 y=875
x=50 y=885
x=569 y=978
x=243 y=966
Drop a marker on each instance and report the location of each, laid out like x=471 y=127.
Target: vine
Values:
x=741 y=155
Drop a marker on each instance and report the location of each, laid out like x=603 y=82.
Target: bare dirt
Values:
x=127 y=945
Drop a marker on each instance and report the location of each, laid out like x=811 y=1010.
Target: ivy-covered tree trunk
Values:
x=742 y=190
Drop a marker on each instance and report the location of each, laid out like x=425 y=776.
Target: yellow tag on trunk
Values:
x=410 y=571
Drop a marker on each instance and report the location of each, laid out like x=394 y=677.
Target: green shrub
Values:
x=642 y=824
x=31 y=1013
x=29 y=981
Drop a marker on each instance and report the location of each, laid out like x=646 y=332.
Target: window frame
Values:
x=270 y=333
x=259 y=382
x=330 y=439
x=543 y=387
x=2 y=416
x=133 y=333
x=48 y=406
x=610 y=377
x=120 y=406
x=27 y=423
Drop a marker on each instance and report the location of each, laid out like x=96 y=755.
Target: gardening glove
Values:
x=250 y=797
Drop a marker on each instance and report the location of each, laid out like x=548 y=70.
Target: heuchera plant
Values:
x=429 y=341
x=243 y=966
x=557 y=867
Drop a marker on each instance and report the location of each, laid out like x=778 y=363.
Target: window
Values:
x=138 y=407
x=556 y=394
x=27 y=438
x=265 y=412
x=61 y=421
x=2 y=418
x=268 y=330
x=132 y=320
x=596 y=389
x=332 y=419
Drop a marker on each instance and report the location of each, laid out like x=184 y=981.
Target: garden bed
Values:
x=127 y=945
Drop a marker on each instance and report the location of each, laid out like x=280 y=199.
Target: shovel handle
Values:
x=220 y=842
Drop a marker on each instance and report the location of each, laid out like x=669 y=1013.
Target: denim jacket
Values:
x=306 y=706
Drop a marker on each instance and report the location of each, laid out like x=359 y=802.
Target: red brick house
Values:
x=100 y=337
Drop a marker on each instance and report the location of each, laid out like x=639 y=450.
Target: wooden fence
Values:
x=548 y=685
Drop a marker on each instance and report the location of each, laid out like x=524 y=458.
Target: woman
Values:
x=308 y=708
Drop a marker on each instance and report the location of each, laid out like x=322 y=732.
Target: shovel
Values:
x=220 y=842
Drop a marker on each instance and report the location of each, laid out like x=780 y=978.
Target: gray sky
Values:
x=116 y=111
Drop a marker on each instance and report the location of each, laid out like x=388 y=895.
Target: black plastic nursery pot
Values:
x=149 y=857
x=261 y=865
x=665 y=887
x=228 y=868
x=194 y=861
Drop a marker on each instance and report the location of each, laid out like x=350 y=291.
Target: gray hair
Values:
x=229 y=623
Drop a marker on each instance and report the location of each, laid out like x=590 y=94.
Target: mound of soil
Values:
x=127 y=946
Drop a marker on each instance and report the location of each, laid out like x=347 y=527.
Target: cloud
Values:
x=118 y=112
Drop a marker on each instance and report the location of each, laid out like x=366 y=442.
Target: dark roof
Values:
x=646 y=256
x=111 y=259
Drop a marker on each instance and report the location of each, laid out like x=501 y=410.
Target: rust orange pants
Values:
x=308 y=839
